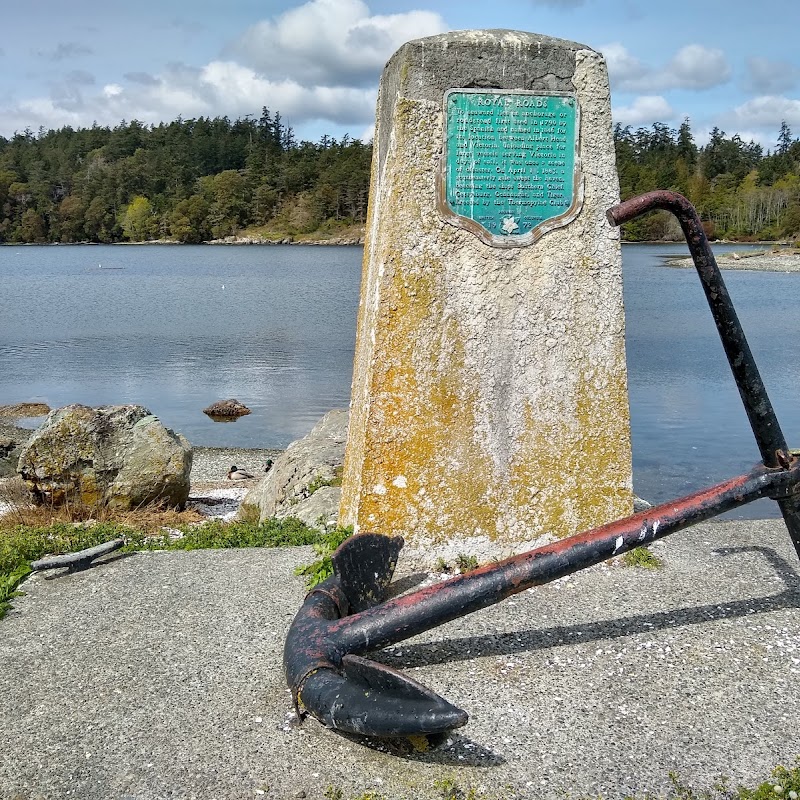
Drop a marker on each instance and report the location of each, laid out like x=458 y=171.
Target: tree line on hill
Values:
x=739 y=191
x=201 y=179
x=188 y=180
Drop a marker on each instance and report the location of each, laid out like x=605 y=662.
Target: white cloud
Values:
x=221 y=87
x=40 y=111
x=697 y=67
x=644 y=110
x=318 y=62
x=767 y=111
x=766 y=77
x=693 y=67
x=330 y=42
x=245 y=90
x=622 y=66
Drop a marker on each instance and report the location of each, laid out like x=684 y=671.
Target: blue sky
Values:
x=734 y=65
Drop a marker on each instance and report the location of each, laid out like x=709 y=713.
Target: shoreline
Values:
x=358 y=241
x=236 y=241
x=761 y=262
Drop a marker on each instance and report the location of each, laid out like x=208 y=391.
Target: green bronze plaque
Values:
x=510 y=170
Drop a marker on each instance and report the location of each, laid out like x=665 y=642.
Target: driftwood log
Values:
x=79 y=560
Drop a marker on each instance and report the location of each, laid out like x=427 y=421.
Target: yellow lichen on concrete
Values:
x=574 y=474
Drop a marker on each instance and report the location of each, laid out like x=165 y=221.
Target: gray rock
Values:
x=10 y=448
x=321 y=510
x=121 y=457
x=12 y=440
x=306 y=463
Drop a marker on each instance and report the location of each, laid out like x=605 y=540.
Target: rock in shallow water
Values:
x=120 y=457
x=227 y=408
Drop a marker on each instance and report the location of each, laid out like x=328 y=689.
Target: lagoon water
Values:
x=176 y=327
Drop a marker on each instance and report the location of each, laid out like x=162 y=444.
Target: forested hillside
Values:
x=739 y=191
x=200 y=179
x=189 y=180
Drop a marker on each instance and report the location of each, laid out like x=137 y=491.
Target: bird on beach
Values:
x=268 y=465
x=236 y=474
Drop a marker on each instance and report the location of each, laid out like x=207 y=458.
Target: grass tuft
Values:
x=322 y=568
x=318 y=481
x=641 y=557
x=466 y=563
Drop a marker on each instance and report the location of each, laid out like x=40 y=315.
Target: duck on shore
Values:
x=236 y=474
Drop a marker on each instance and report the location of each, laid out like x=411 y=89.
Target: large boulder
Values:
x=299 y=483
x=120 y=457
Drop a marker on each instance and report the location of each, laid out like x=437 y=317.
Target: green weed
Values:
x=465 y=563
x=641 y=557
x=318 y=482
x=322 y=568
x=9 y=581
x=288 y=532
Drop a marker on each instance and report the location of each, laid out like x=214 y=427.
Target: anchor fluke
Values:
x=364 y=565
x=376 y=700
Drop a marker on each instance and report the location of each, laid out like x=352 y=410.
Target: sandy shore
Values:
x=767 y=261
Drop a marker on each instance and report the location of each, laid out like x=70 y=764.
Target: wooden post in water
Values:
x=489 y=401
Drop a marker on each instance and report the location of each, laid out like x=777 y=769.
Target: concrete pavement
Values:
x=158 y=675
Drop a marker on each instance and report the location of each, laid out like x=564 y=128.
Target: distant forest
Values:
x=201 y=179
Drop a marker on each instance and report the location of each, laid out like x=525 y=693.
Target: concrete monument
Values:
x=489 y=403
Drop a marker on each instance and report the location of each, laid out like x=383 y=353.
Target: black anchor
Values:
x=347 y=615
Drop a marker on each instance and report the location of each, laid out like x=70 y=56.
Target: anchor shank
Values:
x=406 y=616
x=763 y=420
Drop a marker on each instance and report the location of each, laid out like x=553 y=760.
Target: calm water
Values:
x=177 y=327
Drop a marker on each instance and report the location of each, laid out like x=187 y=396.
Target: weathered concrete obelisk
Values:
x=489 y=401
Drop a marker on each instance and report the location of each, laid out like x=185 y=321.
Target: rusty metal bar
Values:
x=770 y=439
